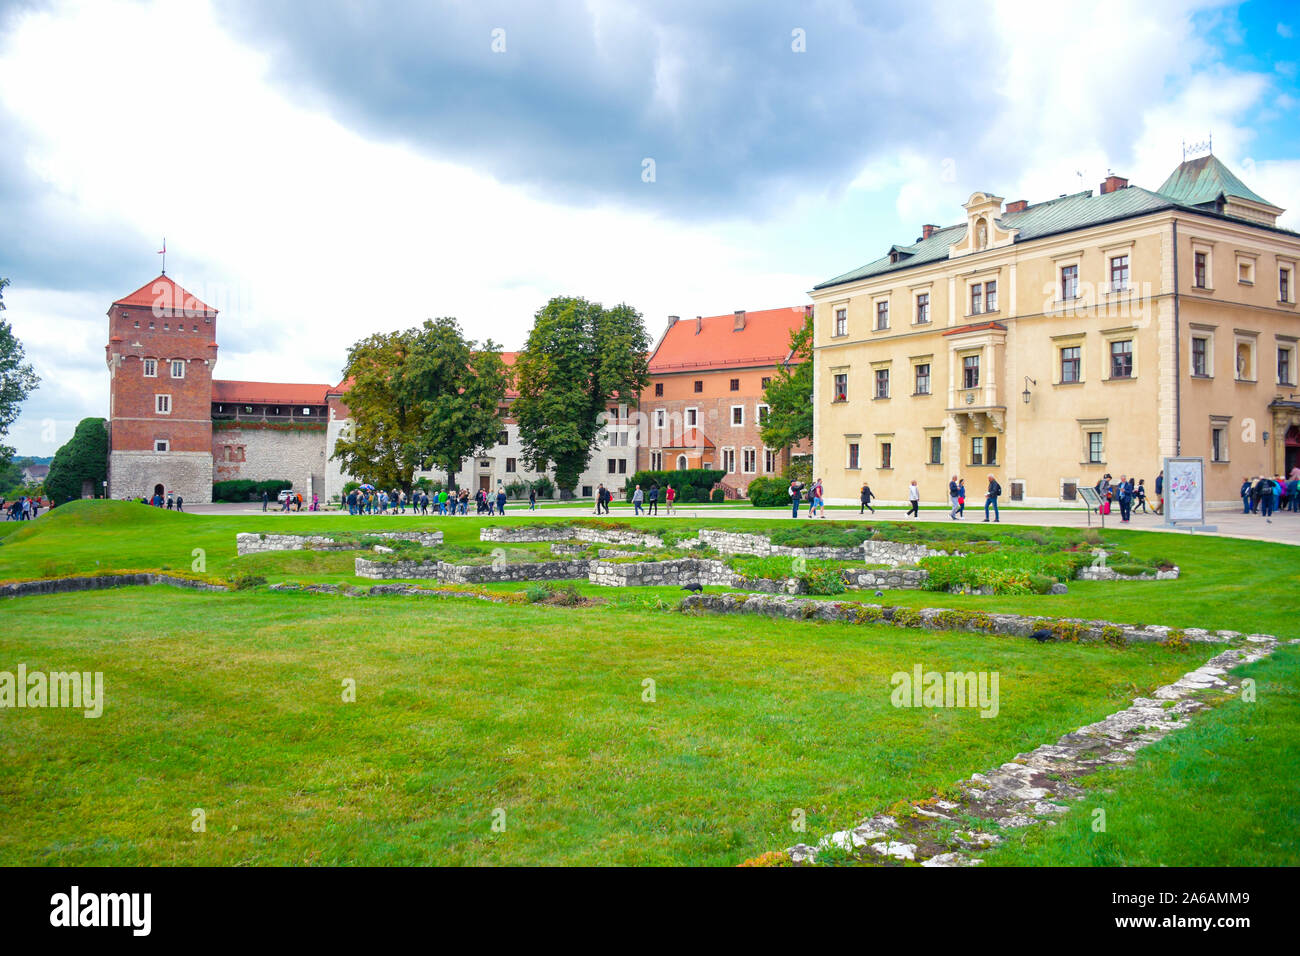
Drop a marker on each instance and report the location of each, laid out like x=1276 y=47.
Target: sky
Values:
x=320 y=171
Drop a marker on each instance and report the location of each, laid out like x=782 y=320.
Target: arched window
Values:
x=681 y=462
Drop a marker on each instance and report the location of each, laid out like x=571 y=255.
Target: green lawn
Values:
x=231 y=702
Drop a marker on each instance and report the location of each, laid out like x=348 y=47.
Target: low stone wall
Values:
x=529 y=533
x=948 y=619
x=907 y=579
x=254 y=543
x=99 y=582
x=1109 y=574
x=675 y=572
x=872 y=552
x=473 y=573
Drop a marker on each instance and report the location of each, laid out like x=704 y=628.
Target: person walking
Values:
x=818 y=509
x=1264 y=498
x=991 y=498
x=532 y=498
x=954 y=490
x=1140 y=497
x=961 y=497
x=171 y=501
x=670 y=495
x=1160 y=492
x=180 y=503
x=914 y=500
x=865 y=496
x=1125 y=494
x=637 y=497
x=600 y=499
x=501 y=500
x=796 y=494
x=654 y=500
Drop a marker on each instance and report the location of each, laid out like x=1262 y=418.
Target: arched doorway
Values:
x=158 y=490
x=1292 y=448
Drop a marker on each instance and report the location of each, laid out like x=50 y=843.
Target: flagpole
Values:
x=163 y=252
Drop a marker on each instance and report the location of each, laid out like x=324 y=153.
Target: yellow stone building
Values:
x=1052 y=343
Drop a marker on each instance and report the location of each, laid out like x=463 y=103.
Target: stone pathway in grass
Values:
x=1032 y=788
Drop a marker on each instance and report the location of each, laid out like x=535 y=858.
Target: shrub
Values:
x=544 y=487
x=517 y=489
x=537 y=592
x=768 y=492
x=242 y=580
x=692 y=484
x=823 y=581
x=717 y=496
x=244 y=490
x=84 y=458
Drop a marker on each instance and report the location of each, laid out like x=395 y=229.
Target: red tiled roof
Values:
x=765 y=340
x=267 y=393
x=164 y=294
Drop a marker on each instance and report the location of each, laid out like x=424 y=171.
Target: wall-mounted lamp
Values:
x=1266 y=437
x=1025 y=394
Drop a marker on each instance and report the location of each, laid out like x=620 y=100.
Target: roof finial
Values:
x=1195 y=148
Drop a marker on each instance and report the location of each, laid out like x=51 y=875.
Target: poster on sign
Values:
x=1185 y=490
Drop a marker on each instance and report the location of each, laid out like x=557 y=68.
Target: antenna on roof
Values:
x=1196 y=148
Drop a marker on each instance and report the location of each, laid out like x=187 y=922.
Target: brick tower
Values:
x=162 y=347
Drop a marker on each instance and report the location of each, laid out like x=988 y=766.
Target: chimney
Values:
x=740 y=321
x=928 y=230
x=1020 y=205
x=699 y=324
x=672 y=320
x=1112 y=183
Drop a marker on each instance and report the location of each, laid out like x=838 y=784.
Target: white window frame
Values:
x=661 y=418
x=1287 y=266
x=175 y=364
x=928 y=292
x=875 y=313
x=761 y=410
x=1118 y=335
x=691 y=417
x=751 y=453
x=162 y=404
x=1200 y=246
x=1220 y=423
x=734 y=423
x=150 y=367
x=1285 y=345
x=1203 y=332
x=727 y=454
x=162 y=445
x=769 y=461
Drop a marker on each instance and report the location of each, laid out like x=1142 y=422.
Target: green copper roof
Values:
x=1195 y=182
x=1204 y=180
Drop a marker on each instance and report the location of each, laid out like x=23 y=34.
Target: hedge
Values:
x=241 y=490
x=769 y=493
x=691 y=484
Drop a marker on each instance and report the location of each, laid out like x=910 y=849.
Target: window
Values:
x=737 y=415
x=1069 y=282
x=976 y=299
x=613 y=465
x=1094 y=448
x=735 y=384
x=510 y=466
x=970 y=371
x=977 y=450
x=841 y=321
x=1246 y=271
x=761 y=412
x=656 y=461
x=150 y=368
x=748 y=460
x=882 y=383
x=178 y=368
x=699 y=386
x=1200 y=351
x=1017 y=491
x=936 y=449
x=769 y=460
x=661 y=418
x=1218 y=445
x=659 y=389
x=886 y=454
x=503 y=438
x=853 y=456
x=1069 y=491
x=1118 y=273
x=842 y=387
x=1071 y=364
x=923 y=308
x=161 y=444
x=729 y=460
x=1285 y=365
x=1284 y=284
x=163 y=404
x=1200 y=270
x=1121 y=359
x=692 y=417
x=923 y=379
x=766 y=381
x=882 y=314
x=990 y=296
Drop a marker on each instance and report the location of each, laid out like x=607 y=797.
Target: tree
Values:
x=420 y=397
x=83 y=458
x=459 y=386
x=789 y=394
x=17 y=378
x=579 y=357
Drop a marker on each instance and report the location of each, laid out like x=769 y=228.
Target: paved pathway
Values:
x=1284 y=527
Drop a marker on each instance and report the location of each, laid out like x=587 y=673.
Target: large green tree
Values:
x=789 y=394
x=579 y=357
x=420 y=397
x=17 y=378
x=84 y=457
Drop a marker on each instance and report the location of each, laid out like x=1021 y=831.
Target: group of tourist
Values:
x=22 y=508
x=1264 y=496
x=644 y=501
x=369 y=501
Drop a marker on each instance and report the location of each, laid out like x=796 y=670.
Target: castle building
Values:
x=704 y=403
x=175 y=428
x=1055 y=342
